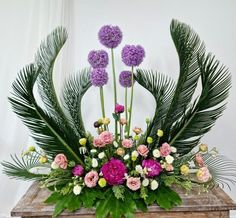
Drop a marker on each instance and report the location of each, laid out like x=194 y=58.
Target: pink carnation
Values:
x=114 y=172
x=97 y=142
x=61 y=161
x=203 y=174
x=143 y=150
x=106 y=137
x=119 y=108
x=91 y=179
x=133 y=183
x=127 y=143
x=199 y=160
x=165 y=149
x=153 y=167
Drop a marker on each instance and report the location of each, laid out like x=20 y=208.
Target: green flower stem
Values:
x=102 y=102
x=131 y=99
x=126 y=108
x=115 y=93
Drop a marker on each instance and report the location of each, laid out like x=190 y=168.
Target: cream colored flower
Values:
x=77 y=189
x=154 y=184
x=156 y=153
x=169 y=159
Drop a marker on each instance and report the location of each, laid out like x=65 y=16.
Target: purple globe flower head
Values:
x=110 y=36
x=153 y=167
x=78 y=170
x=125 y=79
x=98 y=59
x=114 y=172
x=99 y=77
x=133 y=55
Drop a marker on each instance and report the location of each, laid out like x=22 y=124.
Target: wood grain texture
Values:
x=214 y=204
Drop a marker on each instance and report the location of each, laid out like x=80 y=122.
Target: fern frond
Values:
x=43 y=128
x=73 y=91
x=21 y=168
x=162 y=89
x=189 y=48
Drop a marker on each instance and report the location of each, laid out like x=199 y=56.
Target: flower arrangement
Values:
x=128 y=169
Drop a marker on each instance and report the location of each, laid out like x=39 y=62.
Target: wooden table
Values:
x=214 y=204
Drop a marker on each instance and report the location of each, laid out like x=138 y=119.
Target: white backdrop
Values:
x=24 y=23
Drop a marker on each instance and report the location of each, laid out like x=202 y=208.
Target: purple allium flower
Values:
x=98 y=59
x=99 y=77
x=78 y=170
x=114 y=172
x=133 y=55
x=119 y=108
x=125 y=79
x=153 y=167
x=110 y=36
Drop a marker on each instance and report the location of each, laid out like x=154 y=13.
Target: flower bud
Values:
x=102 y=182
x=106 y=121
x=203 y=147
x=43 y=159
x=156 y=153
x=184 y=169
x=154 y=185
x=94 y=163
x=83 y=141
x=147 y=120
x=77 y=189
x=96 y=124
x=31 y=148
x=137 y=130
x=149 y=140
x=120 y=151
x=145 y=182
x=160 y=133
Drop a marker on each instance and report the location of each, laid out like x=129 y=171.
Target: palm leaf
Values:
x=43 y=128
x=216 y=82
x=222 y=169
x=21 y=168
x=45 y=59
x=161 y=87
x=74 y=89
x=189 y=48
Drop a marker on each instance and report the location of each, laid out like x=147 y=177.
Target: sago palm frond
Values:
x=21 y=168
x=73 y=91
x=162 y=89
x=189 y=47
x=43 y=128
x=216 y=82
x=222 y=169
x=45 y=60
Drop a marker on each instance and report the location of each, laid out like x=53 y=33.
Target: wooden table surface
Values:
x=215 y=203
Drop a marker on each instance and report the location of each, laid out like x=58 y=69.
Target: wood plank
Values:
x=215 y=201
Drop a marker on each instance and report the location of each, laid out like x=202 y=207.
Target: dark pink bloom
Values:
x=153 y=167
x=119 y=108
x=114 y=172
x=78 y=170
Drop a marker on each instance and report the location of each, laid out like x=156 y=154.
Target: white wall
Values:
x=23 y=23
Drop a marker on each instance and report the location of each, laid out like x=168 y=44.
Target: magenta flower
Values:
x=119 y=108
x=99 y=77
x=78 y=170
x=110 y=36
x=114 y=172
x=125 y=79
x=153 y=167
x=133 y=55
x=98 y=59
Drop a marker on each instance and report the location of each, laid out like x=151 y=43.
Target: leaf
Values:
x=53 y=198
x=189 y=48
x=90 y=196
x=166 y=198
x=73 y=91
x=115 y=116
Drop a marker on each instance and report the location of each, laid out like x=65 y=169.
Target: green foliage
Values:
x=178 y=181
x=74 y=89
x=21 y=168
x=118 y=191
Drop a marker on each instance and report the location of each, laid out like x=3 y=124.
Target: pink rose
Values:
x=106 y=137
x=203 y=174
x=61 y=161
x=97 y=142
x=143 y=150
x=133 y=183
x=127 y=143
x=199 y=160
x=165 y=149
x=91 y=179
x=169 y=167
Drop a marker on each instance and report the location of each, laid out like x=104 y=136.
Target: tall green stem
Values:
x=115 y=93
x=102 y=102
x=131 y=99
x=126 y=103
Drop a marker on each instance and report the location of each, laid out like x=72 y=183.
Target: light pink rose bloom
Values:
x=123 y=121
x=165 y=149
x=143 y=150
x=199 y=160
x=106 y=137
x=133 y=183
x=91 y=179
x=61 y=161
x=169 y=167
x=127 y=143
x=97 y=142
x=203 y=174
